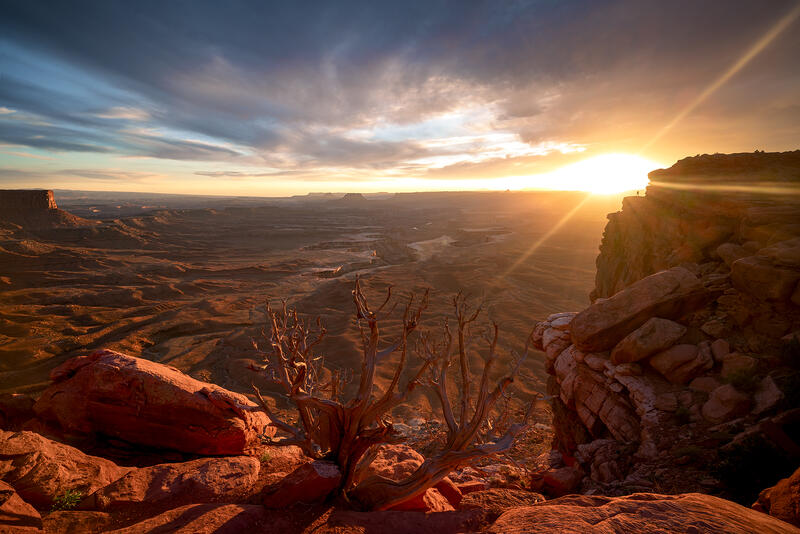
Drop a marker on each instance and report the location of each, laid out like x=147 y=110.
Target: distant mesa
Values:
x=35 y=208
x=26 y=200
x=350 y=199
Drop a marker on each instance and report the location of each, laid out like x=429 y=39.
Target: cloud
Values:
x=420 y=88
x=124 y=112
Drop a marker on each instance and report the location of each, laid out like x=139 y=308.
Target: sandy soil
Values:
x=186 y=286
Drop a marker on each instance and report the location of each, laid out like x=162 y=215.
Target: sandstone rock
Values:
x=653 y=336
x=596 y=361
x=680 y=363
x=784 y=253
x=430 y=501
x=667 y=402
x=725 y=403
x=15 y=513
x=767 y=396
x=641 y=512
x=211 y=519
x=471 y=487
x=561 y=320
x=730 y=252
x=782 y=500
x=669 y=294
x=394 y=461
x=735 y=364
x=628 y=369
x=150 y=404
x=197 y=481
x=558 y=482
x=309 y=483
x=495 y=501
x=604 y=460
x=600 y=408
x=763 y=280
x=719 y=349
x=706 y=384
x=76 y=521
x=450 y=490
x=41 y=470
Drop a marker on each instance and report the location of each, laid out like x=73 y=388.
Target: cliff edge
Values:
x=35 y=209
x=684 y=372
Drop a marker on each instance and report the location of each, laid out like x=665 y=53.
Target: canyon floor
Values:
x=187 y=286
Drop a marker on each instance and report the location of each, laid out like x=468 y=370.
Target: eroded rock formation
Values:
x=687 y=362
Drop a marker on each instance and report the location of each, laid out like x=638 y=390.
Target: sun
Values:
x=605 y=174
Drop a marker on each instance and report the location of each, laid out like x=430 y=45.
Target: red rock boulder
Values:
x=782 y=500
x=198 y=481
x=668 y=294
x=41 y=470
x=147 y=403
x=309 y=483
x=640 y=512
x=15 y=514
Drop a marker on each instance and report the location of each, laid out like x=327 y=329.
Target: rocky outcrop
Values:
x=310 y=483
x=35 y=209
x=12 y=200
x=196 y=481
x=41 y=470
x=667 y=294
x=690 y=333
x=16 y=515
x=209 y=519
x=398 y=462
x=643 y=512
x=147 y=403
x=782 y=500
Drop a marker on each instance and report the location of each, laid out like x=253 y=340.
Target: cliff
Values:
x=683 y=374
x=34 y=209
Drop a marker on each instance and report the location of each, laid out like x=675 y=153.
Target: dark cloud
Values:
x=283 y=83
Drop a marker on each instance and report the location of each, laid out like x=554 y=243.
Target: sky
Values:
x=281 y=98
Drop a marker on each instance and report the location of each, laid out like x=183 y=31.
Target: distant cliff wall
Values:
x=35 y=209
x=691 y=333
x=26 y=200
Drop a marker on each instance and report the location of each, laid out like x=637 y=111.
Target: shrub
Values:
x=347 y=432
x=68 y=500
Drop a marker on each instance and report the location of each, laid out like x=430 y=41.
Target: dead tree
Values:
x=347 y=432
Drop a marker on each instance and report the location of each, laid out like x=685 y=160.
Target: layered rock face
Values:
x=688 y=357
x=34 y=209
x=26 y=200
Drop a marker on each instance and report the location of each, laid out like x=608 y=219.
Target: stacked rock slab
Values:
x=694 y=320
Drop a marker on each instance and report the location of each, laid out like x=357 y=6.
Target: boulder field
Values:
x=50 y=486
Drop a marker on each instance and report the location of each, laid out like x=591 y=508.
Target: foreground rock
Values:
x=667 y=294
x=397 y=462
x=493 y=502
x=16 y=513
x=782 y=500
x=310 y=483
x=208 y=519
x=149 y=404
x=198 y=481
x=641 y=512
x=41 y=470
